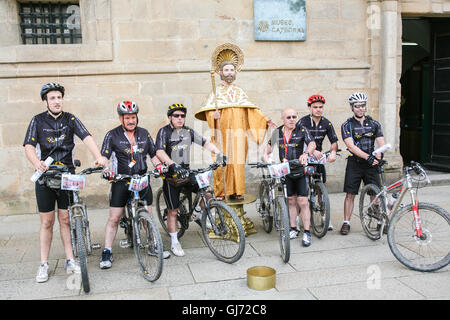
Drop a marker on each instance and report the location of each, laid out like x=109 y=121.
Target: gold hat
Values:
x=227 y=52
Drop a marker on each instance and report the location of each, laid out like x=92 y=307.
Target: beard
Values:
x=228 y=79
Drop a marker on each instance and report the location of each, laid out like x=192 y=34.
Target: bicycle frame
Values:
x=74 y=214
x=276 y=185
x=405 y=184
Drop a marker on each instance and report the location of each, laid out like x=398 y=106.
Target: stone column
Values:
x=388 y=76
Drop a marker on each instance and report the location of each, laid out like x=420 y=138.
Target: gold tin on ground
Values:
x=261 y=278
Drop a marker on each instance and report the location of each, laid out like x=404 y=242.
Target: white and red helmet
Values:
x=127 y=107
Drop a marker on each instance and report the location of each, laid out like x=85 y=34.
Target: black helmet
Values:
x=174 y=107
x=51 y=87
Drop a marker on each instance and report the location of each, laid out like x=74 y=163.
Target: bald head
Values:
x=289 y=118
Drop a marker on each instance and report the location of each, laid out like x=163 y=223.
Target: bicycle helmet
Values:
x=174 y=107
x=357 y=97
x=52 y=86
x=315 y=98
x=127 y=107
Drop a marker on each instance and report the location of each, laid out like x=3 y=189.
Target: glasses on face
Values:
x=357 y=106
x=178 y=115
x=291 y=117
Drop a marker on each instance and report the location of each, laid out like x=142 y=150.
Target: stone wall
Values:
x=158 y=52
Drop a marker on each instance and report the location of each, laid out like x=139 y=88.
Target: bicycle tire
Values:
x=149 y=252
x=161 y=210
x=282 y=216
x=230 y=236
x=81 y=250
x=265 y=207
x=410 y=250
x=370 y=216
x=320 y=212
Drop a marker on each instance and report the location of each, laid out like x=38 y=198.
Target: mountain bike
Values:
x=222 y=229
x=319 y=203
x=419 y=233
x=140 y=229
x=58 y=177
x=272 y=202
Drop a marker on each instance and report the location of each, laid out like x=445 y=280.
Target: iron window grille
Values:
x=50 y=23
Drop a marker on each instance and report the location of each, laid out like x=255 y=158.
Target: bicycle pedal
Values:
x=96 y=246
x=124 y=243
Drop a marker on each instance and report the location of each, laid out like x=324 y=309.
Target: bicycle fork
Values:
x=416 y=215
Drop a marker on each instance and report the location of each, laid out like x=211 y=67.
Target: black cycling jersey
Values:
x=363 y=135
x=318 y=132
x=291 y=148
x=55 y=137
x=177 y=143
x=117 y=146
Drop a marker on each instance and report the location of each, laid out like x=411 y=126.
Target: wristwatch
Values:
x=306 y=152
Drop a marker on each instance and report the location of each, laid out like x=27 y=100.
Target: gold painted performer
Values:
x=233 y=117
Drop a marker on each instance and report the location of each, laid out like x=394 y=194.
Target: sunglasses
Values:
x=357 y=106
x=291 y=117
x=178 y=115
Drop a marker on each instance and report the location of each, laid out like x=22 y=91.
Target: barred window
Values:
x=50 y=23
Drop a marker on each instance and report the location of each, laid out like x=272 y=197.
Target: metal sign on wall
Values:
x=280 y=20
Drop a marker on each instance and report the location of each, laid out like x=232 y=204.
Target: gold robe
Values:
x=239 y=118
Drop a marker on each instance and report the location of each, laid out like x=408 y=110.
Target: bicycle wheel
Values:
x=372 y=211
x=148 y=245
x=320 y=209
x=81 y=251
x=227 y=243
x=264 y=207
x=282 y=216
x=430 y=253
x=182 y=215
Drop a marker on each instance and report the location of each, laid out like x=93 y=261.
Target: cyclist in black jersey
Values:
x=127 y=146
x=291 y=139
x=52 y=134
x=360 y=132
x=173 y=143
x=320 y=127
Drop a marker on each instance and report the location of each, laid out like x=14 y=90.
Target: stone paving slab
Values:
x=218 y=271
x=133 y=294
x=341 y=275
x=434 y=285
x=391 y=289
x=233 y=290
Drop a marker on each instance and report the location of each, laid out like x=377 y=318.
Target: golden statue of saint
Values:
x=230 y=113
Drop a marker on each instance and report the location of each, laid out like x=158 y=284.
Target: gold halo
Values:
x=227 y=52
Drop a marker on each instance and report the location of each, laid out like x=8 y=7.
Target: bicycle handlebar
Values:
x=213 y=167
x=119 y=177
x=57 y=170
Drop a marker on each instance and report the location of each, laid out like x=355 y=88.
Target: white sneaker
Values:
x=198 y=220
x=293 y=234
x=306 y=241
x=42 y=273
x=166 y=254
x=330 y=227
x=177 y=250
x=72 y=266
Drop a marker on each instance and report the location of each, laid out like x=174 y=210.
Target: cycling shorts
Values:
x=172 y=194
x=120 y=194
x=297 y=187
x=357 y=170
x=47 y=197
